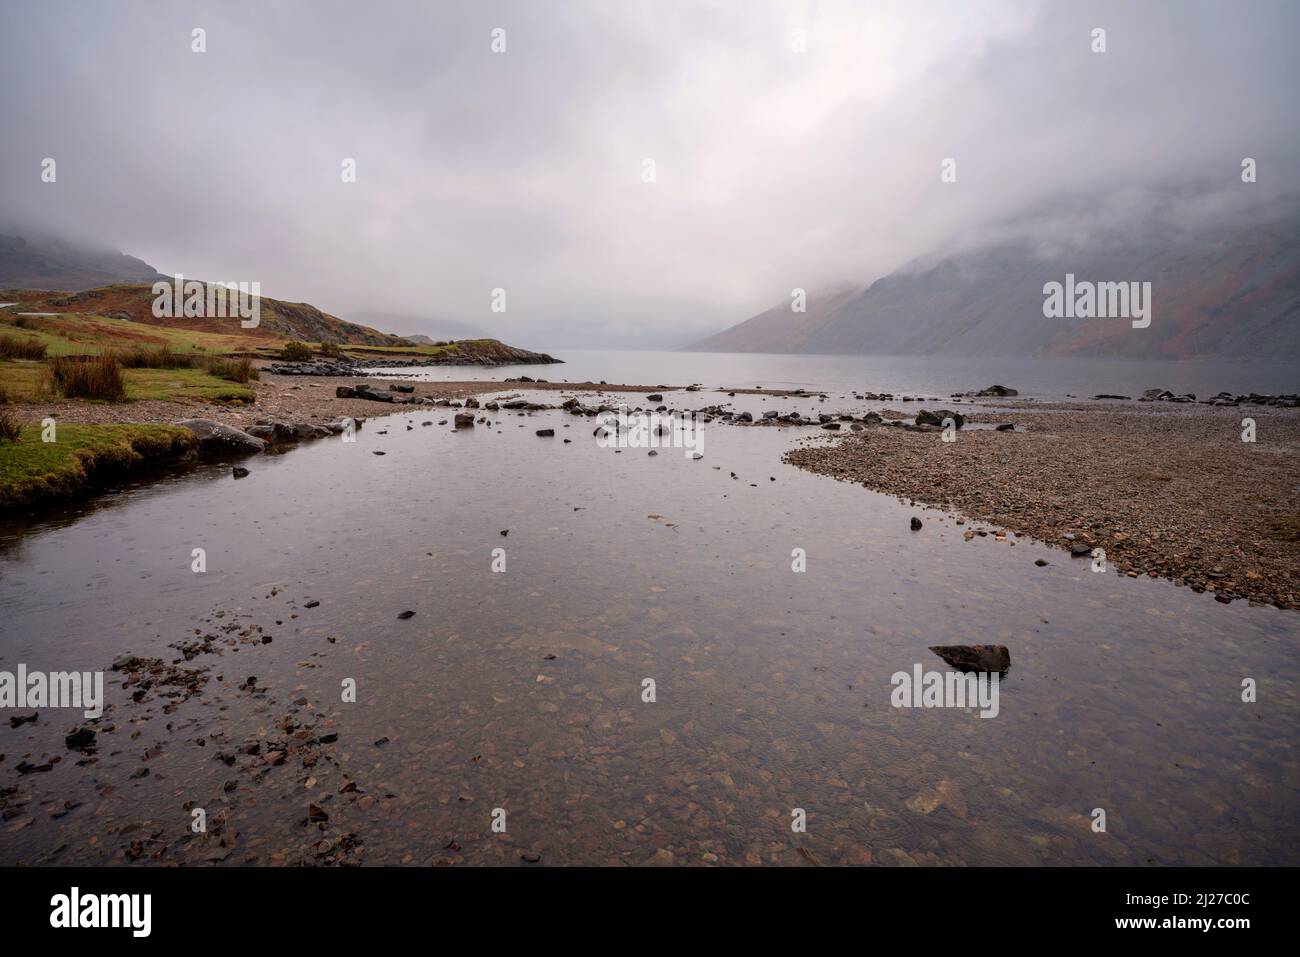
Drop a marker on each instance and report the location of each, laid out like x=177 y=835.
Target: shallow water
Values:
x=772 y=687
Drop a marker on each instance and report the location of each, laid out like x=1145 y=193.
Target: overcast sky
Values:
x=524 y=169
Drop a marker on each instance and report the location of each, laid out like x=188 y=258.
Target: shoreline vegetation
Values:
x=101 y=360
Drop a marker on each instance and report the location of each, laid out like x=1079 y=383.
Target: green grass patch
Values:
x=24 y=381
x=183 y=384
x=78 y=334
x=32 y=470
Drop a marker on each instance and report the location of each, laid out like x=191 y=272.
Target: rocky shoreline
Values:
x=1168 y=494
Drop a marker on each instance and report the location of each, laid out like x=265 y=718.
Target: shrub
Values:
x=97 y=378
x=13 y=347
x=233 y=370
x=295 y=351
x=330 y=349
x=10 y=429
x=160 y=358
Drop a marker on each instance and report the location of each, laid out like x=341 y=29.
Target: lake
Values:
x=523 y=689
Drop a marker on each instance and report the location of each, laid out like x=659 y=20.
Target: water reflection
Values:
x=523 y=689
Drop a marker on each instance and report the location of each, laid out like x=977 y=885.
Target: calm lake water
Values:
x=937 y=376
x=522 y=689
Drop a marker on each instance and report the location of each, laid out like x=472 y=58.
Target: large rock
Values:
x=365 y=391
x=997 y=390
x=975 y=657
x=925 y=417
x=215 y=437
x=464 y=420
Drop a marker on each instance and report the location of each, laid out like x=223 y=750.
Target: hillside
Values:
x=416 y=328
x=1229 y=289
x=38 y=263
x=279 y=319
x=121 y=317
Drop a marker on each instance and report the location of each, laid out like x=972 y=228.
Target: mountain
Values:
x=1224 y=283
x=278 y=319
x=28 y=262
x=428 y=329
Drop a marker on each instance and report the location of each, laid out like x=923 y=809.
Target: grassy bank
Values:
x=22 y=380
x=84 y=455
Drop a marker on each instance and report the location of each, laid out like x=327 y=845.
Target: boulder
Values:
x=997 y=390
x=975 y=657
x=464 y=420
x=214 y=437
x=925 y=417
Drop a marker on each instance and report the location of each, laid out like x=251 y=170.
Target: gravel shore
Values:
x=282 y=398
x=1167 y=493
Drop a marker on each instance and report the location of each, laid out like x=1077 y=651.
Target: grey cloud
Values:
x=522 y=170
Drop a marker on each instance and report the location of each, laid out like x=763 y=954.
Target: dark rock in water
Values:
x=311 y=604
x=515 y=404
x=832 y=426
x=471 y=403
x=1040 y=562
x=1080 y=550
x=125 y=662
x=997 y=390
x=656 y=397
x=916 y=524
x=406 y=614
x=745 y=417
x=771 y=414
x=936 y=417
x=872 y=418
x=975 y=657
x=1006 y=427
x=215 y=437
x=18 y=720
x=81 y=738
x=377 y=452
x=505 y=532
x=1107 y=395
x=464 y=420
x=239 y=471
x=545 y=433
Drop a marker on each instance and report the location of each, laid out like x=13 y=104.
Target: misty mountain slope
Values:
x=41 y=263
x=414 y=327
x=1229 y=291
x=779 y=329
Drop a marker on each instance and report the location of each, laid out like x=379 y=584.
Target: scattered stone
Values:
x=975 y=657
